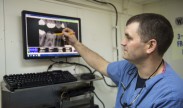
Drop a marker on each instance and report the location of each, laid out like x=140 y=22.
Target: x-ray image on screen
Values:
x=40 y=35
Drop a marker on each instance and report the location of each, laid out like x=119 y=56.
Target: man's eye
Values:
x=129 y=38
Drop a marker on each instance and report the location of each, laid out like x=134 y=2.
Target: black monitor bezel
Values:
x=23 y=15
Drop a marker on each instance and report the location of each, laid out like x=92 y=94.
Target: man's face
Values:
x=133 y=47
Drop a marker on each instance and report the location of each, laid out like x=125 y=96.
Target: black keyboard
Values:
x=28 y=80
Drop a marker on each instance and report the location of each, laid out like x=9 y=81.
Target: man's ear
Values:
x=151 y=46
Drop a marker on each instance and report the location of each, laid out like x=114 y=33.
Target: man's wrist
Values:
x=75 y=44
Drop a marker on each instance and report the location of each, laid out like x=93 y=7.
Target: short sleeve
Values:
x=117 y=70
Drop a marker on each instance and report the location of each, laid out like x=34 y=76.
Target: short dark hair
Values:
x=154 y=26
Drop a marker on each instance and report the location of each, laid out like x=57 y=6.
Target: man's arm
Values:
x=92 y=58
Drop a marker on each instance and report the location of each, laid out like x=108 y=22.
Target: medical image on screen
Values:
x=42 y=37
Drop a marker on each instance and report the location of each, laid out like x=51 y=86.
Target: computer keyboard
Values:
x=28 y=80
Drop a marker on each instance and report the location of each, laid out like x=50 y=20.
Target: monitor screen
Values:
x=41 y=37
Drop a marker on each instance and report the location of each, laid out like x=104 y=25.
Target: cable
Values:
x=116 y=24
x=100 y=2
x=52 y=60
x=105 y=80
x=98 y=98
x=116 y=35
x=71 y=63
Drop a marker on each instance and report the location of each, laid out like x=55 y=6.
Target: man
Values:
x=144 y=79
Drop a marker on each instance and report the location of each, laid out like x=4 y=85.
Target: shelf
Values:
x=78 y=82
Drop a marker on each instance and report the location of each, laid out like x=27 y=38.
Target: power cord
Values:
x=98 y=99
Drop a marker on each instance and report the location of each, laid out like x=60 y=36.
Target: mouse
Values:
x=87 y=76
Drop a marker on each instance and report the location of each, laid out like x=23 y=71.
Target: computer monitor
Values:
x=41 y=37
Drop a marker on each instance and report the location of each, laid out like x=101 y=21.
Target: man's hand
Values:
x=70 y=35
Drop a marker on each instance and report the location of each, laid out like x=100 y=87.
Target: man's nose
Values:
x=123 y=42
